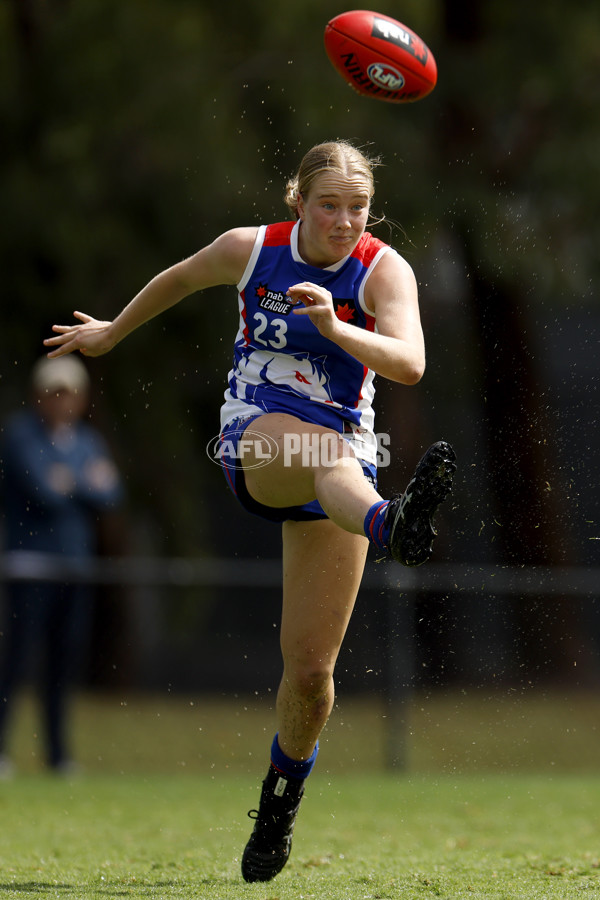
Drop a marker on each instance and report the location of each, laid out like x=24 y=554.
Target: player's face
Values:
x=334 y=216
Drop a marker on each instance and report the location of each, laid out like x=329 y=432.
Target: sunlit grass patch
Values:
x=358 y=837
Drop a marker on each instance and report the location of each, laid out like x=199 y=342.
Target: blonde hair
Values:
x=331 y=156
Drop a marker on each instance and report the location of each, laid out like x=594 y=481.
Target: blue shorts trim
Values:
x=234 y=474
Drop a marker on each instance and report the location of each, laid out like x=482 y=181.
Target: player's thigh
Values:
x=289 y=478
x=322 y=571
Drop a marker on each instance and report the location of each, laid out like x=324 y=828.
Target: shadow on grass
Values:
x=39 y=887
x=109 y=889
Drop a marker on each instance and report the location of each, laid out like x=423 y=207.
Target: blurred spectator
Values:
x=58 y=476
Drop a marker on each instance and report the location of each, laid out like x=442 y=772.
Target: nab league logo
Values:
x=273 y=301
x=388 y=31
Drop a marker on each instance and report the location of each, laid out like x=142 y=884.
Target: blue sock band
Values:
x=374 y=524
x=294 y=768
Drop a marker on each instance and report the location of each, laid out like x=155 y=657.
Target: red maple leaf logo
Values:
x=418 y=48
x=261 y=290
x=345 y=313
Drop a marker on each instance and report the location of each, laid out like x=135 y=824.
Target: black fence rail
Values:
x=398 y=592
x=577 y=581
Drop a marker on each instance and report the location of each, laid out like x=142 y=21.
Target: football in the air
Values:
x=379 y=57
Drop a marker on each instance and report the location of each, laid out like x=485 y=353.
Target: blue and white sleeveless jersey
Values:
x=281 y=363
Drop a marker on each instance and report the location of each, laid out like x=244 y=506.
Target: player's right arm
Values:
x=222 y=262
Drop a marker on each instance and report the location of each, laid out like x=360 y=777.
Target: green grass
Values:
x=358 y=837
x=501 y=800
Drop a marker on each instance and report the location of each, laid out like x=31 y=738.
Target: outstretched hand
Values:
x=91 y=337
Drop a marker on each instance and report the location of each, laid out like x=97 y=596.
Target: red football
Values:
x=379 y=57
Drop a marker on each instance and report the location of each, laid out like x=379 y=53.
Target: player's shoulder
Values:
x=380 y=256
x=392 y=267
x=369 y=248
x=391 y=277
x=278 y=234
x=224 y=260
x=245 y=237
x=232 y=252
x=237 y=240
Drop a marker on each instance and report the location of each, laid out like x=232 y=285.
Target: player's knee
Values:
x=311 y=680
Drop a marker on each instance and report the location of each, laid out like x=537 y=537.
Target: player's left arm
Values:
x=222 y=262
x=391 y=293
x=396 y=350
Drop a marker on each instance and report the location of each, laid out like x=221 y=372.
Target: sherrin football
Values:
x=379 y=57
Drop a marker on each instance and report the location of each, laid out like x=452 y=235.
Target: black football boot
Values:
x=410 y=516
x=270 y=843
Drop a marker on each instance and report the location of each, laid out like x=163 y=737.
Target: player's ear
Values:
x=300 y=206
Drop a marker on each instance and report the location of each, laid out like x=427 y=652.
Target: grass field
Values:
x=161 y=809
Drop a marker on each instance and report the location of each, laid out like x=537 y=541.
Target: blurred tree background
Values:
x=134 y=132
